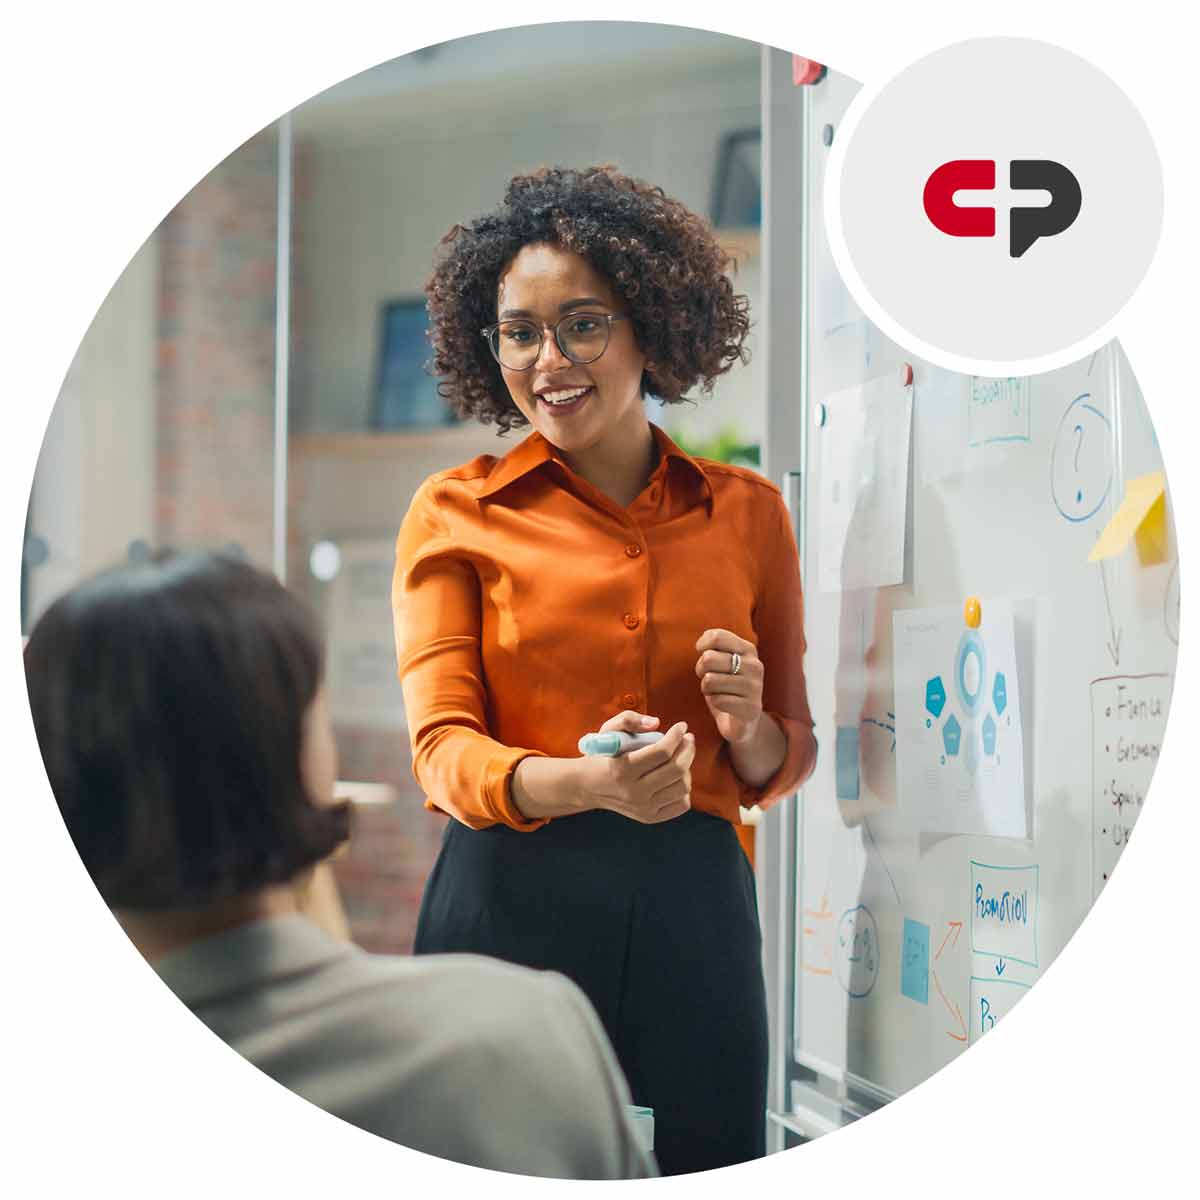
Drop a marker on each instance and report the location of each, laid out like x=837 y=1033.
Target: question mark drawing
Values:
x=1078 y=447
x=1080 y=468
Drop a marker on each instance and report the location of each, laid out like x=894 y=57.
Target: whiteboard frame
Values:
x=805 y=1098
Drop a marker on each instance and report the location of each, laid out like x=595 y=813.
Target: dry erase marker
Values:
x=616 y=742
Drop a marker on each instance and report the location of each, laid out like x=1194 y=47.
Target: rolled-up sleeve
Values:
x=436 y=618
x=779 y=625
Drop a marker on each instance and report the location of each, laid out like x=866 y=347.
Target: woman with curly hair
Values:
x=597 y=577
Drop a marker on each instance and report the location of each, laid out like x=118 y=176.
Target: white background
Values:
x=112 y=113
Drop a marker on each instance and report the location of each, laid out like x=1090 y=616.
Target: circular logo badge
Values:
x=994 y=206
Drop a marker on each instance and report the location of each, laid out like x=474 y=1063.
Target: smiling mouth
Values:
x=565 y=399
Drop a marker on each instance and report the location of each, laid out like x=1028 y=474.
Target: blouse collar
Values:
x=535 y=451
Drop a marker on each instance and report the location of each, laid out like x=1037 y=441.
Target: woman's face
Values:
x=597 y=401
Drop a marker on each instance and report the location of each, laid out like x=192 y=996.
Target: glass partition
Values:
x=162 y=431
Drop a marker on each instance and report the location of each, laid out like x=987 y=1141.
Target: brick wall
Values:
x=214 y=460
x=216 y=357
x=392 y=847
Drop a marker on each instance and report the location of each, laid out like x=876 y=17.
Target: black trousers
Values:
x=658 y=925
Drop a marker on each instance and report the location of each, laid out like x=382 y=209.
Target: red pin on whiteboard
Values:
x=806 y=71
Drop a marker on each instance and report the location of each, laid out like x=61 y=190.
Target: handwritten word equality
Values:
x=985 y=393
x=1006 y=908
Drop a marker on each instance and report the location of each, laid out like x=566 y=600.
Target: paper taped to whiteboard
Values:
x=864 y=485
x=960 y=763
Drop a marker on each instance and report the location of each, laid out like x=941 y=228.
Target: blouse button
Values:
x=633 y=550
x=629 y=700
x=631 y=621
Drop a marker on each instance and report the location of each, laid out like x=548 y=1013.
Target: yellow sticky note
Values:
x=1142 y=517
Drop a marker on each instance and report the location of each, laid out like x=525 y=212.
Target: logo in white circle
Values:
x=994 y=206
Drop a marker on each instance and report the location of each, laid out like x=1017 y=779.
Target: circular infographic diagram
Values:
x=1081 y=461
x=970 y=670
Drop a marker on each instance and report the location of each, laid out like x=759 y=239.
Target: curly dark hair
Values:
x=659 y=255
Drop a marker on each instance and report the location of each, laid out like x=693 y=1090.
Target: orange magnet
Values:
x=972 y=612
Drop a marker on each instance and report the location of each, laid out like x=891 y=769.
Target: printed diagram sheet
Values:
x=864 y=441
x=960 y=762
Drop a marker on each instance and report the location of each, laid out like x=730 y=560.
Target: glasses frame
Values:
x=487 y=332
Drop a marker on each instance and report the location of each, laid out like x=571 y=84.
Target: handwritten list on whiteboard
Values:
x=1129 y=715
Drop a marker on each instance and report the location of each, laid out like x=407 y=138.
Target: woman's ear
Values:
x=318 y=752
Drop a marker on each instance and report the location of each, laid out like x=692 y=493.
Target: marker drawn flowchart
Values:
x=991 y=999
x=1004 y=920
x=917 y=972
x=1004 y=909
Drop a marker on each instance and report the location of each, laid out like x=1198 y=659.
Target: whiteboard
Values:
x=911 y=944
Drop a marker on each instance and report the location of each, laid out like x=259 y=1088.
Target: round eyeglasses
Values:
x=582 y=337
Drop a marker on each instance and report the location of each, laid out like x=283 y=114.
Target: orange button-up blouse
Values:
x=529 y=608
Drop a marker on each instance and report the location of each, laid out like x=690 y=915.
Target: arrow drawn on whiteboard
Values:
x=952 y=927
x=820 y=933
x=1114 y=642
x=1000 y=967
x=954 y=1011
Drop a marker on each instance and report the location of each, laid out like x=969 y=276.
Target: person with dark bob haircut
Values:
x=170 y=699
x=181 y=715
x=598 y=579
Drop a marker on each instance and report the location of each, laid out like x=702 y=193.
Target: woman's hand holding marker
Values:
x=731 y=678
x=649 y=784
x=616 y=742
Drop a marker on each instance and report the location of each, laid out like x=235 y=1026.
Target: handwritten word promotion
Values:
x=1008 y=907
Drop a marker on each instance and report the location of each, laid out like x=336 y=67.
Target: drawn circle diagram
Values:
x=970 y=670
x=1081 y=461
x=857 y=951
x=1171 y=605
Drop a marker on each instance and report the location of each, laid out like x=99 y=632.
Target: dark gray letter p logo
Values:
x=1026 y=225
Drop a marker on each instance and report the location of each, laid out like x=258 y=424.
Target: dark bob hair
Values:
x=657 y=254
x=169 y=700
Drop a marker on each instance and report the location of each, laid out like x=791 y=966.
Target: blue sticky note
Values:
x=914 y=962
x=846 y=762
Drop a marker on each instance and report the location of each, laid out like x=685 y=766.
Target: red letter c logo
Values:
x=974 y=174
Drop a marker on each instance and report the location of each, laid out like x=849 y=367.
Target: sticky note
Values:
x=846 y=762
x=914 y=962
x=1141 y=517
